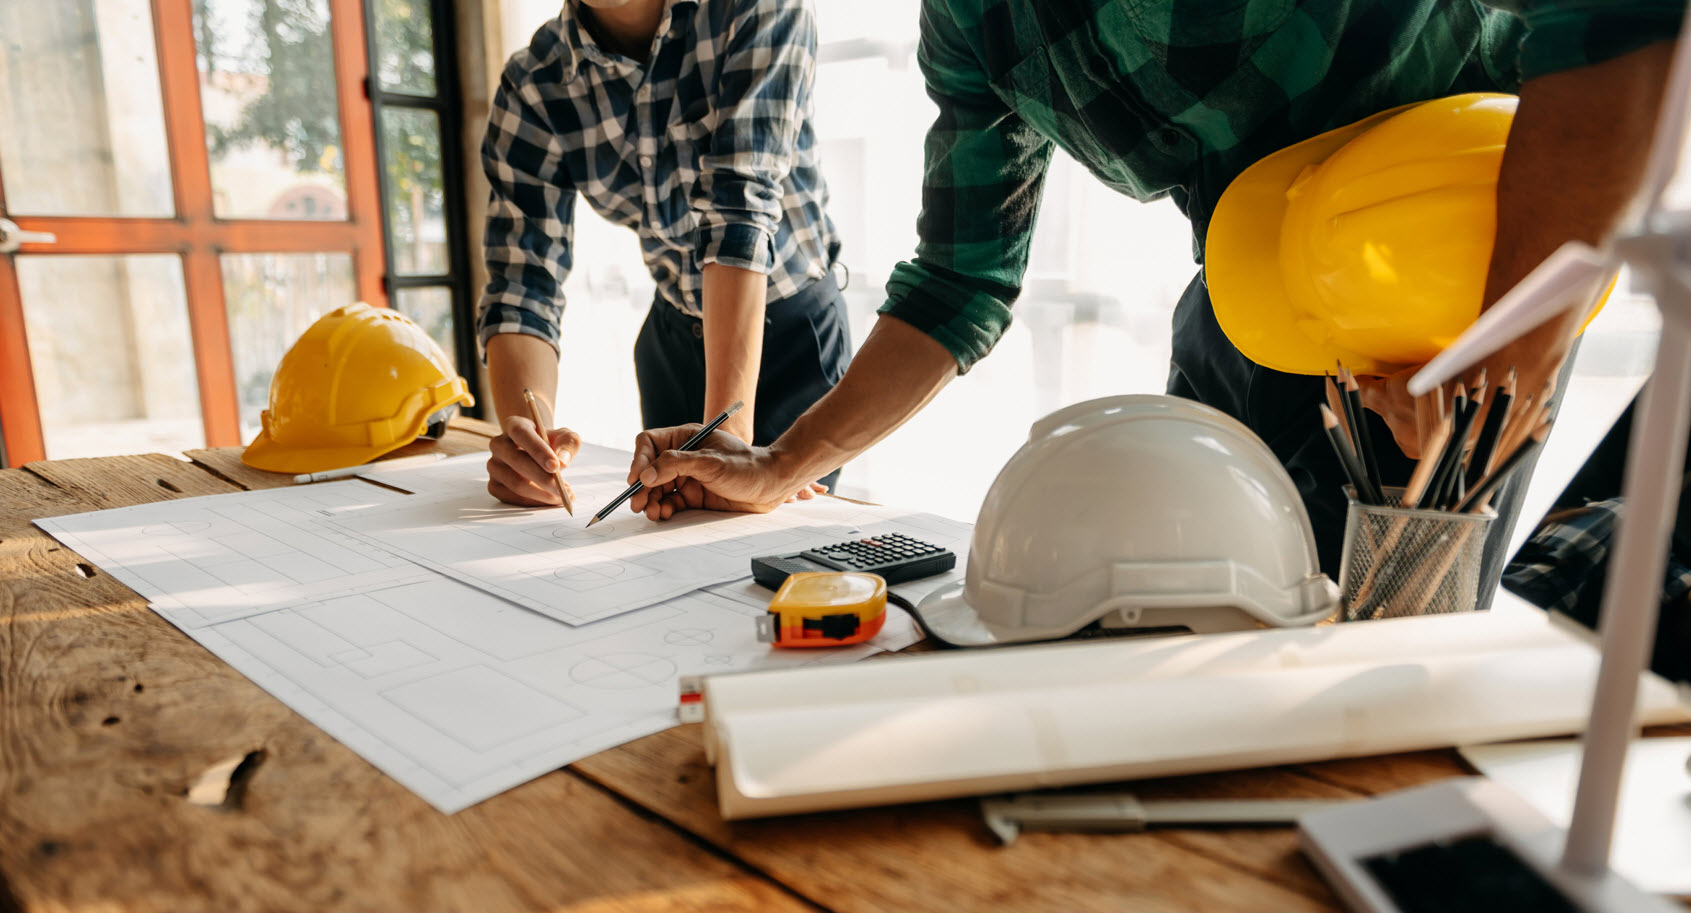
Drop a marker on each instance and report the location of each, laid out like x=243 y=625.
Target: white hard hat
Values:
x=1146 y=512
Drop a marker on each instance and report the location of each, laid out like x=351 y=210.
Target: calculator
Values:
x=895 y=557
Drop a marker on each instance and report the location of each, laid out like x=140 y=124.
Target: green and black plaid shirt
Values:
x=1175 y=98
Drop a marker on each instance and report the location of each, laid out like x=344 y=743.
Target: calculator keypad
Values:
x=875 y=553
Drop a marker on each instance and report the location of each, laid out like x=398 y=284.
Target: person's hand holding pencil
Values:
x=528 y=461
x=718 y=475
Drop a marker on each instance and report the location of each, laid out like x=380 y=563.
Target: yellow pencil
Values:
x=540 y=426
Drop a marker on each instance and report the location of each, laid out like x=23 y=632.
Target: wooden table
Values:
x=108 y=715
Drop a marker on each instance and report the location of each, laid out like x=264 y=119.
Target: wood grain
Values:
x=109 y=714
x=464 y=435
x=939 y=857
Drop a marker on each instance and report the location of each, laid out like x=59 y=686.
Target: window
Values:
x=198 y=181
x=415 y=97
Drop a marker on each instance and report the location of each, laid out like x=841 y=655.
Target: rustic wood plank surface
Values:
x=938 y=856
x=110 y=716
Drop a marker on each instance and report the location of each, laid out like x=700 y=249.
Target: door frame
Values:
x=197 y=235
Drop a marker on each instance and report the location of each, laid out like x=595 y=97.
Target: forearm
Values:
x=897 y=372
x=733 y=326
x=1576 y=153
x=518 y=361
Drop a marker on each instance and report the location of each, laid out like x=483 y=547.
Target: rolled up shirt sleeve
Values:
x=530 y=230
x=981 y=184
x=761 y=101
x=1567 y=34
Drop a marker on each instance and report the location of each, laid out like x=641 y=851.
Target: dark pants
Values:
x=806 y=346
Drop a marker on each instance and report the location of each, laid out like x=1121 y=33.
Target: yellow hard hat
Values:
x=1368 y=244
x=360 y=382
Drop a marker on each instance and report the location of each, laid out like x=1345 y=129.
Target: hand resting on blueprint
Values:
x=722 y=474
x=520 y=469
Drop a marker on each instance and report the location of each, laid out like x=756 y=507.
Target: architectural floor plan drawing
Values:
x=199 y=561
x=454 y=692
x=460 y=696
x=550 y=562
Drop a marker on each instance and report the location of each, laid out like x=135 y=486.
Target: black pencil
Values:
x=1485 y=450
x=1454 y=487
x=1362 y=437
x=1489 y=484
x=691 y=443
x=1452 y=456
x=1347 y=457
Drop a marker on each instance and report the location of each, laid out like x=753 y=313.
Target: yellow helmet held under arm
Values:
x=1368 y=244
x=360 y=382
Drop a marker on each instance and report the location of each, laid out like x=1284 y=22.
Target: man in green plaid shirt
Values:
x=1176 y=98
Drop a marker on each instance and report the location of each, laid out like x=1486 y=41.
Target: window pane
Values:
x=416 y=191
x=405 y=46
x=267 y=84
x=111 y=354
x=81 y=120
x=431 y=308
x=272 y=299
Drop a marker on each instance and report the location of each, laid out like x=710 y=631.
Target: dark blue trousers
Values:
x=806 y=346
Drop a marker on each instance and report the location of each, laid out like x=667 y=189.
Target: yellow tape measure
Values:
x=825 y=609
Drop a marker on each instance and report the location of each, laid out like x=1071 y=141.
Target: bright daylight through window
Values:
x=1093 y=319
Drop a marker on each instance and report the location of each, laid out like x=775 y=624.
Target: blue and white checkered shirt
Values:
x=706 y=151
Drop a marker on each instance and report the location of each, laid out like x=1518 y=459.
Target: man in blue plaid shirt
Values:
x=687 y=121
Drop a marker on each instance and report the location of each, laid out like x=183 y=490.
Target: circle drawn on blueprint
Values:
x=183 y=527
x=619 y=671
x=689 y=637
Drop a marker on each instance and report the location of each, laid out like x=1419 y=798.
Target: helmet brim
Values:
x=1242 y=262
x=264 y=453
x=946 y=616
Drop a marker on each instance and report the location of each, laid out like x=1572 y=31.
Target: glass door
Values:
x=184 y=186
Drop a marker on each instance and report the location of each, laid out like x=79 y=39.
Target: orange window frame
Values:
x=197 y=235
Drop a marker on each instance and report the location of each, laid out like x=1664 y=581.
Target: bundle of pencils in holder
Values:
x=1417 y=549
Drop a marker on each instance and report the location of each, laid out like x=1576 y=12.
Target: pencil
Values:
x=1518 y=425
x=1452 y=456
x=1417 y=487
x=1456 y=486
x=692 y=443
x=1347 y=457
x=1513 y=462
x=1360 y=435
x=1336 y=402
x=348 y=472
x=564 y=497
x=1485 y=449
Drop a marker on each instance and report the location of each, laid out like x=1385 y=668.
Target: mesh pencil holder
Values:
x=1400 y=561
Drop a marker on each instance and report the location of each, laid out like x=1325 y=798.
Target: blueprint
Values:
x=455 y=693
x=546 y=560
x=460 y=696
x=204 y=560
